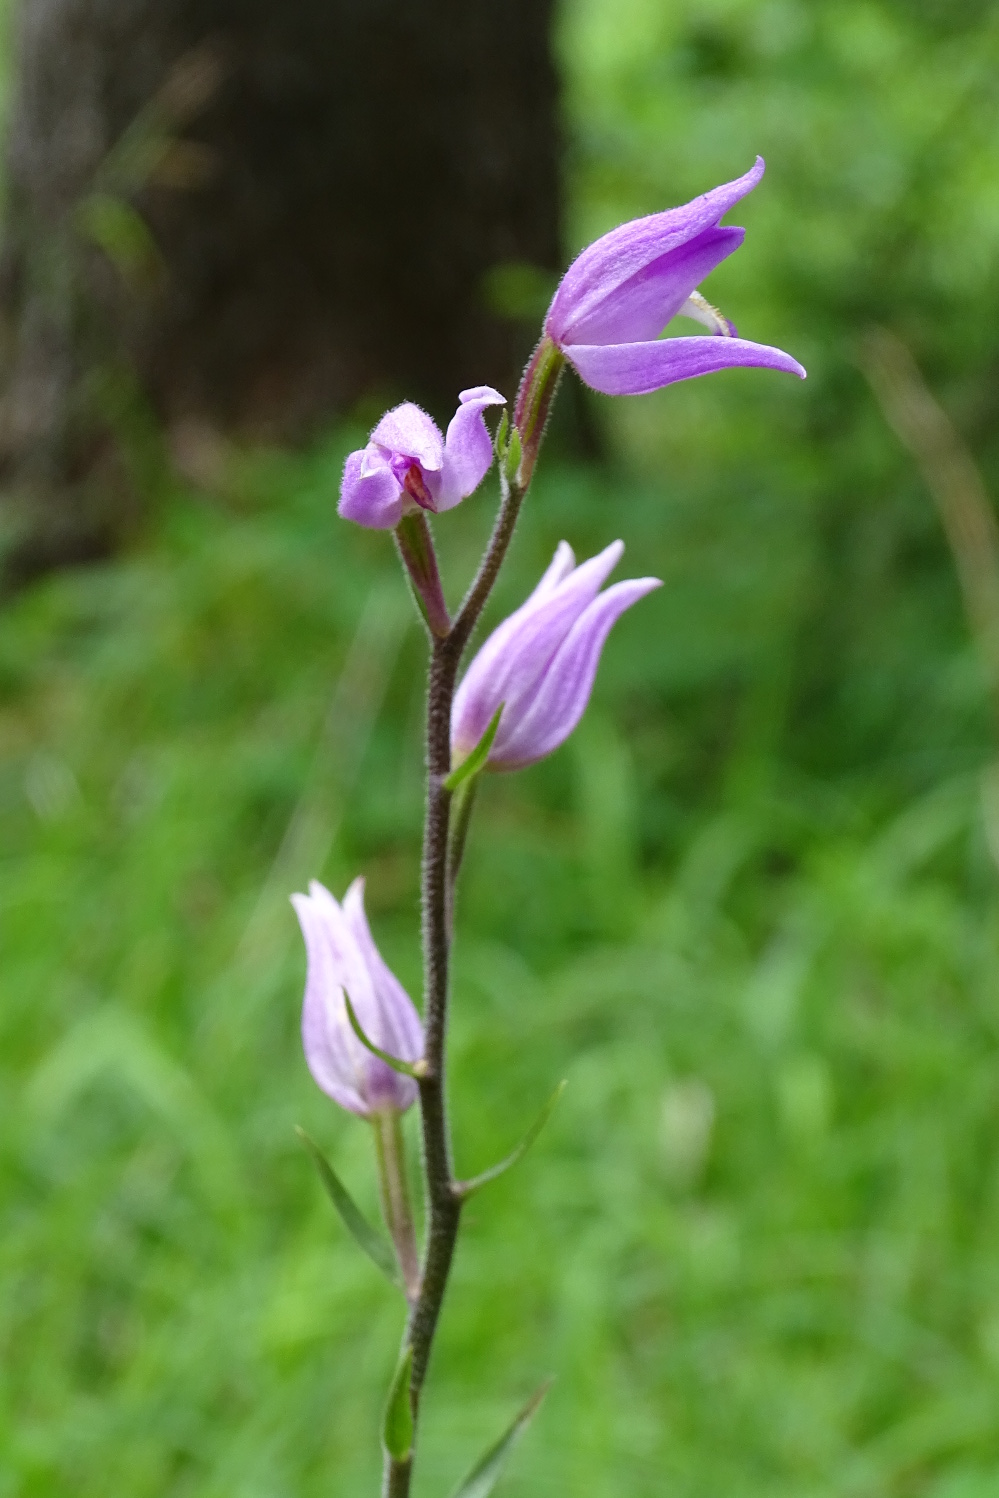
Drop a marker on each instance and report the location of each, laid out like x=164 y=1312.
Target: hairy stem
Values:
x=482 y=584
x=462 y=806
x=397 y=1478
x=443 y=1197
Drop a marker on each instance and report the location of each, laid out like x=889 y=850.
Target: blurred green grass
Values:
x=758 y=1241
x=749 y=910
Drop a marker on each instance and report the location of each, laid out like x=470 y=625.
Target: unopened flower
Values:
x=342 y=957
x=409 y=466
x=540 y=664
x=619 y=294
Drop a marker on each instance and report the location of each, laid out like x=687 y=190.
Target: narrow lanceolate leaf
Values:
x=377 y=1248
x=466 y=1188
x=501 y=435
x=408 y=1068
x=512 y=457
x=485 y=1474
x=397 y=1428
x=477 y=759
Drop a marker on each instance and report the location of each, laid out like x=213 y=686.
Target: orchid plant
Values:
x=519 y=699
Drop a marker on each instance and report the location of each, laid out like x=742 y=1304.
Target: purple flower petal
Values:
x=468 y=448
x=638 y=368
x=512 y=661
x=323 y=1040
x=400 y=1022
x=639 y=308
x=626 y=251
x=342 y=957
x=565 y=690
x=559 y=568
x=370 y=493
x=408 y=432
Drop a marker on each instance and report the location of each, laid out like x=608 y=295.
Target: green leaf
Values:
x=123 y=234
x=397 y=1428
x=466 y=1188
x=511 y=461
x=485 y=1474
x=407 y=1068
x=477 y=759
x=377 y=1248
x=501 y=431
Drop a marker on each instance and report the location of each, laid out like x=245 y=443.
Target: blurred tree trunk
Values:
x=247 y=215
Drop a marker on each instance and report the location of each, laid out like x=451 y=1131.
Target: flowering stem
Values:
x=475 y=600
x=397 y=1478
x=393 y=1188
x=464 y=804
x=443 y=1196
x=534 y=402
x=416 y=548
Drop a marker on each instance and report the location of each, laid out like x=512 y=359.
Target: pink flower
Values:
x=342 y=956
x=540 y=664
x=408 y=466
x=618 y=295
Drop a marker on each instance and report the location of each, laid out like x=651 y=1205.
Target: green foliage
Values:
x=757 y=1240
x=879 y=122
x=397 y=1427
x=749 y=909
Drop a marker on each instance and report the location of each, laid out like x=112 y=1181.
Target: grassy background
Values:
x=749 y=911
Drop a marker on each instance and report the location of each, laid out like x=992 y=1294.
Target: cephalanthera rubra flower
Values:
x=408 y=465
x=540 y=664
x=342 y=957
x=619 y=294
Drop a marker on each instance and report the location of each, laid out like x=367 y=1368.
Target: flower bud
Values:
x=540 y=664
x=342 y=956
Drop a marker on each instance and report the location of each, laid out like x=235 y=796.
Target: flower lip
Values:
x=415 y=486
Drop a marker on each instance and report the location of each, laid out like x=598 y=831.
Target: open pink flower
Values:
x=618 y=295
x=342 y=956
x=409 y=466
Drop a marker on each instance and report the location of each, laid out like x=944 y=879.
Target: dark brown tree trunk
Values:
x=250 y=214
